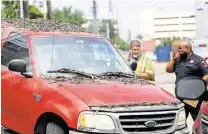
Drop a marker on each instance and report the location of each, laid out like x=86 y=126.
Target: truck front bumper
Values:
x=181 y=131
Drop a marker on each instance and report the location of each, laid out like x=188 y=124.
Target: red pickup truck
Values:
x=58 y=83
x=201 y=124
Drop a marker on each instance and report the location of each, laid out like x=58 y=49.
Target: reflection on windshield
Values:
x=91 y=55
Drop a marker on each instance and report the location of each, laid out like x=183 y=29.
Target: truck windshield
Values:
x=88 y=54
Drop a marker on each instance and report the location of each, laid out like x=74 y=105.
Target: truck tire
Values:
x=53 y=128
x=50 y=128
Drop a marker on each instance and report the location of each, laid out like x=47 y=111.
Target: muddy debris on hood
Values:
x=124 y=80
x=129 y=105
x=41 y=25
x=78 y=79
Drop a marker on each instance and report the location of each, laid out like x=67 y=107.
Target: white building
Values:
x=179 y=24
x=158 y=25
x=202 y=19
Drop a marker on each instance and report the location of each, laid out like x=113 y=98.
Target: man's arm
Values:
x=149 y=73
x=170 y=67
x=204 y=70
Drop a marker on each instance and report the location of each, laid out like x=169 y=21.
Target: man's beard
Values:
x=184 y=56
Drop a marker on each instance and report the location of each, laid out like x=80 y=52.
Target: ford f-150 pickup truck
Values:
x=55 y=82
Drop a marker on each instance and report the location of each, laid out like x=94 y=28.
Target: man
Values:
x=187 y=64
x=144 y=68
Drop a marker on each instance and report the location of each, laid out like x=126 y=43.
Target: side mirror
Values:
x=133 y=66
x=192 y=88
x=19 y=66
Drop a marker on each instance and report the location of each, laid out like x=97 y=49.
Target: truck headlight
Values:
x=181 y=117
x=95 y=122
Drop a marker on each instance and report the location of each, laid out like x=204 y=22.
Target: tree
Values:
x=107 y=27
x=66 y=15
x=120 y=43
x=35 y=12
x=10 y=9
x=139 y=36
x=77 y=17
x=49 y=13
x=103 y=28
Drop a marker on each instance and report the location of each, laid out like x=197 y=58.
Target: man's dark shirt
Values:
x=193 y=66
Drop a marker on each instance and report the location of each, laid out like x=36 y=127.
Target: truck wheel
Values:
x=50 y=128
x=53 y=128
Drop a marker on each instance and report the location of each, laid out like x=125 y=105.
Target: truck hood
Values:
x=102 y=94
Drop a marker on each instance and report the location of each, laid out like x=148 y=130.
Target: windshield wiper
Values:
x=66 y=70
x=119 y=74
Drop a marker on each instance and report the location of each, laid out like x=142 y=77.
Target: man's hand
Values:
x=170 y=65
x=145 y=76
x=205 y=78
x=176 y=56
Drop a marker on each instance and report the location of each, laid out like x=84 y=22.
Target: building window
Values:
x=166 y=18
x=166 y=24
x=166 y=31
x=191 y=16
x=200 y=9
x=188 y=30
x=41 y=4
x=188 y=23
x=34 y=1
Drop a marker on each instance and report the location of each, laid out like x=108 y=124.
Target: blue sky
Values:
x=127 y=12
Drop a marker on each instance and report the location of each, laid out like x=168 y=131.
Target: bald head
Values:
x=185 y=49
x=186 y=44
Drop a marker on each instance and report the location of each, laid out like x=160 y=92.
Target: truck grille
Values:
x=204 y=126
x=151 y=122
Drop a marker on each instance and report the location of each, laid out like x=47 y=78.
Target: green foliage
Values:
x=121 y=44
x=10 y=9
x=168 y=41
x=103 y=27
x=66 y=15
x=113 y=33
x=78 y=17
x=35 y=12
x=139 y=36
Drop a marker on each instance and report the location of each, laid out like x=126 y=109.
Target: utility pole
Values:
x=21 y=9
x=111 y=22
x=25 y=9
x=49 y=13
x=95 y=29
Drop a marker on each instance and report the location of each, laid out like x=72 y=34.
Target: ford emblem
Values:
x=150 y=124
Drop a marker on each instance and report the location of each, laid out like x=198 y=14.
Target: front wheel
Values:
x=51 y=128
